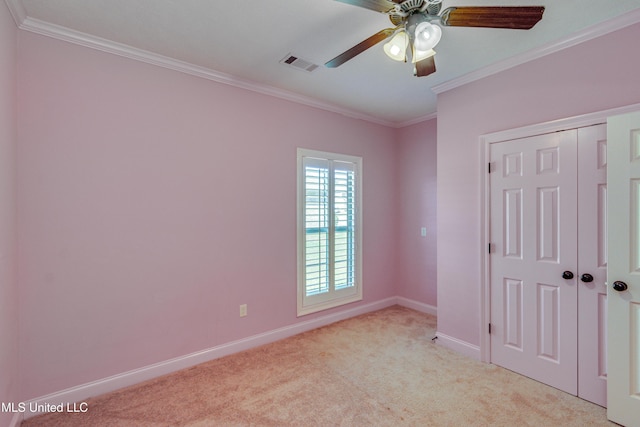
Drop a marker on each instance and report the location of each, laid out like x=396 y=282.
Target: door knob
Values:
x=586 y=278
x=619 y=286
x=567 y=275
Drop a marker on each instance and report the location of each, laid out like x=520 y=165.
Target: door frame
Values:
x=486 y=140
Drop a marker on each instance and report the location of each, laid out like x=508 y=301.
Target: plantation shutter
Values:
x=329 y=222
x=316 y=224
x=344 y=220
x=328 y=231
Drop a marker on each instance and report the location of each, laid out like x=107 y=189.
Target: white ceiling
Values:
x=242 y=42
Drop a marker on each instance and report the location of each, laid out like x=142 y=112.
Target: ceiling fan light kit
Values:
x=396 y=48
x=426 y=36
x=418 y=25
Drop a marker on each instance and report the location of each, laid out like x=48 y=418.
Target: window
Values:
x=329 y=230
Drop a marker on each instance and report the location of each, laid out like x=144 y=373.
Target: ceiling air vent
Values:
x=299 y=63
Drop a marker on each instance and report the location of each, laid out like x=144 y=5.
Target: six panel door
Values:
x=534 y=242
x=549 y=263
x=624 y=270
x=592 y=260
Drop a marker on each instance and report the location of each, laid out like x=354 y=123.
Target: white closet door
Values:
x=592 y=260
x=623 y=391
x=534 y=241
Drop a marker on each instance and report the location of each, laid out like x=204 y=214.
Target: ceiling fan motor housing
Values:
x=433 y=6
x=411 y=5
x=428 y=9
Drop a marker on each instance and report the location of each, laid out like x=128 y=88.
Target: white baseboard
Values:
x=418 y=306
x=463 y=347
x=125 y=379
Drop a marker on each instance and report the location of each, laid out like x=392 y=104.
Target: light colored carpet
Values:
x=378 y=369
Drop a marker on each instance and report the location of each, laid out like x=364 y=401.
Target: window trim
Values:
x=336 y=298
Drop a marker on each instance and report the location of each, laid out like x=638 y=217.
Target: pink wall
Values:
x=8 y=280
x=417 y=203
x=594 y=76
x=153 y=203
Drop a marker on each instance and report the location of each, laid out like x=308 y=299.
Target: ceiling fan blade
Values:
x=426 y=66
x=360 y=47
x=383 y=6
x=514 y=17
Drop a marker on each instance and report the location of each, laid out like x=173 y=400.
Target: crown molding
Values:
x=17 y=11
x=76 y=37
x=417 y=120
x=65 y=34
x=587 y=34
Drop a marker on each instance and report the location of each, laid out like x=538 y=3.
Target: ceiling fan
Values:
x=417 y=27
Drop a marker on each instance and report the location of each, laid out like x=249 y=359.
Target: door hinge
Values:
x=489 y=248
x=489 y=167
x=489 y=327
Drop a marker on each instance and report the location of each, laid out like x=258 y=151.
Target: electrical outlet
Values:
x=243 y=310
x=423 y=231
